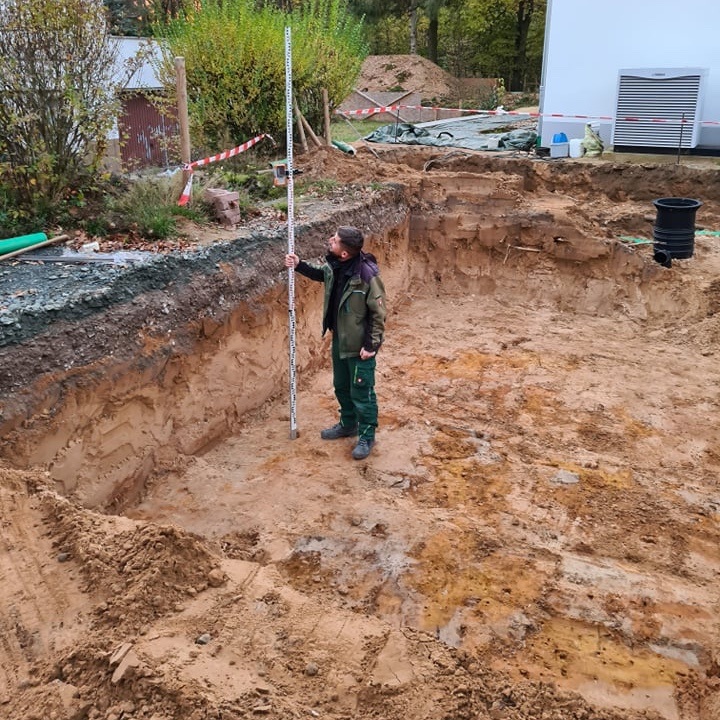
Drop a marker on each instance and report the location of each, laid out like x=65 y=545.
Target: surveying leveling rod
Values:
x=291 y=229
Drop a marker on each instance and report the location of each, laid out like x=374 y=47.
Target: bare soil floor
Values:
x=534 y=537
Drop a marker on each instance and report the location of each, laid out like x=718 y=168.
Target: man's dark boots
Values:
x=338 y=431
x=362 y=449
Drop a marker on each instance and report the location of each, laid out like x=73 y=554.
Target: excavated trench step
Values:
x=542 y=493
x=103 y=426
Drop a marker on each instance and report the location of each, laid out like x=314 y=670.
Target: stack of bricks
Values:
x=226 y=205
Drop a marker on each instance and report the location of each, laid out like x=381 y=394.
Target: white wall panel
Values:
x=587 y=44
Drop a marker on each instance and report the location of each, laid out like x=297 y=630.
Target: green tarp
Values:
x=472 y=133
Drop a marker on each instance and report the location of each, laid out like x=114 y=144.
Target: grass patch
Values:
x=319 y=187
x=147 y=207
x=357 y=129
x=125 y=208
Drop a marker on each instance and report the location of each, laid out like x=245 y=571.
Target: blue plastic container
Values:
x=559 y=138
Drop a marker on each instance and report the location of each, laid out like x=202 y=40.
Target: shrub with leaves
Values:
x=143 y=207
x=235 y=65
x=57 y=97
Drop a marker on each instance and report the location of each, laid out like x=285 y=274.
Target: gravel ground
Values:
x=57 y=317
x=36 y=292
x=38 y=289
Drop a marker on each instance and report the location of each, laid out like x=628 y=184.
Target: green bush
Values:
x=235 y=65
x=57 y=101
x=249 y=180
x=147 y=207
x=14 y=220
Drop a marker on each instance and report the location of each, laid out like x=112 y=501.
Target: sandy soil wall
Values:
x=104 y=401
x=534 y=536
x=127 y=392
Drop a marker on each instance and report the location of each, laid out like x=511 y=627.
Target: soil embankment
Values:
x=534 y=536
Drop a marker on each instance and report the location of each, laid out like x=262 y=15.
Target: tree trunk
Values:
x=524 y=17
x=413 y=30
x=433 y=37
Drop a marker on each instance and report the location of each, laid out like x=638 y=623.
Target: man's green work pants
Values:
x=354 y=382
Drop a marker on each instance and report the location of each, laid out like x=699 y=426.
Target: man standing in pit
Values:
x=354 y=311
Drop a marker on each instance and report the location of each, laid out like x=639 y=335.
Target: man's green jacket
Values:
x=362 y=308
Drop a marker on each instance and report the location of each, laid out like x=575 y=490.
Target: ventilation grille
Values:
x=658 y=108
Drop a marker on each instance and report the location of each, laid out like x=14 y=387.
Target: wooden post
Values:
x=310 y=131
x=301 y=129
x=326 y=111
x=182 y=110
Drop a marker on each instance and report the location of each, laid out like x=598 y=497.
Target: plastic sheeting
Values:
x=473 y=133
x=592 y=142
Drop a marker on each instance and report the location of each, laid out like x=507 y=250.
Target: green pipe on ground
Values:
x=340 y=145
x=23 y=241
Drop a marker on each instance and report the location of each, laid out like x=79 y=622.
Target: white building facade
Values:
x=648 y=73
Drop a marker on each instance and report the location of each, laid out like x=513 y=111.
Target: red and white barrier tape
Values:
x=395 y=108
x=224 y=155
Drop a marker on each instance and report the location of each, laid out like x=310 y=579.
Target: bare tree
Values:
x=58 y=94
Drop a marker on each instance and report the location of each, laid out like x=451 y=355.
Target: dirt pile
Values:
x=384 y=73
x=406 y=73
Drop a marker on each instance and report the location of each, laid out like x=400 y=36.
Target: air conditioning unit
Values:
x=659 y=107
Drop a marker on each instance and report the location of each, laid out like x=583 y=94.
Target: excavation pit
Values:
x=535 y=531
